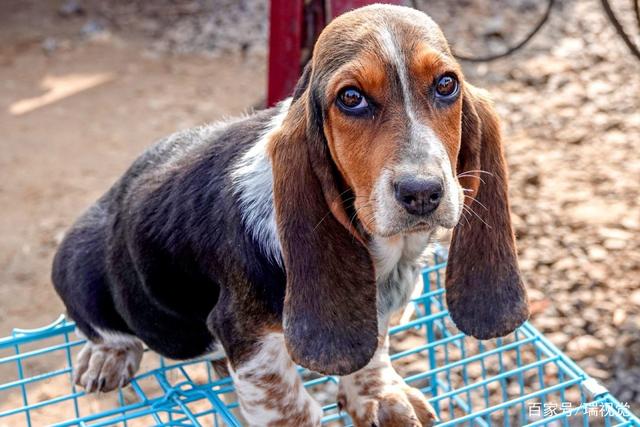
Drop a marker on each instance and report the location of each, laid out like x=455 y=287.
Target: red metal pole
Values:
x=288 y=28
x=285 y=43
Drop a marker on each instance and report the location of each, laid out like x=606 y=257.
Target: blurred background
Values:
x=86 y=85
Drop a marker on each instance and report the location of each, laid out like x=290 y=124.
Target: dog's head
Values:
x=384 y=137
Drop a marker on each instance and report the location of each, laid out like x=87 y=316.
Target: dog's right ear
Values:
x=485 y=293
x=330 y=315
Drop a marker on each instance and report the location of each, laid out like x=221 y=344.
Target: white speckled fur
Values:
x=379 y=380
x=381 y=363
x=256 y=405
x=397 y=261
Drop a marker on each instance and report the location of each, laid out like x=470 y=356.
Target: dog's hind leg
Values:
x=112 y=354
x=108 y=363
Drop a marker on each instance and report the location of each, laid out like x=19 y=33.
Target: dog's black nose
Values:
x=419 y=196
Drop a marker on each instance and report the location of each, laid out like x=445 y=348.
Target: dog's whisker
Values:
x=477 y=216
x=322 y=219
x=357 y=210
x=477 y=201
x=354 y=197
x=464 y=215
x=475 y=171
x=472 y=176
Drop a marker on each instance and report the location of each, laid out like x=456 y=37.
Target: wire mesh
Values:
x=522 y=379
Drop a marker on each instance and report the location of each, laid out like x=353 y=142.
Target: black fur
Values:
x=166 y=244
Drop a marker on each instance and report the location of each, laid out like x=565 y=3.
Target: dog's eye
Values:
x=446 y=87
x=351 y=101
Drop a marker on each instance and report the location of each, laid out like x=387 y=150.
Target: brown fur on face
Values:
x=333 y=177
x=363 y=147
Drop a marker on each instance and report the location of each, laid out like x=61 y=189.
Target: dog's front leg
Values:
x=378 y=396
x=270 y=391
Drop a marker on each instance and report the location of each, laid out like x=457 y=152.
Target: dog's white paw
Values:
x=106 y=367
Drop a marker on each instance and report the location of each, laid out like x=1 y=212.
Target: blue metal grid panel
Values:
x=519 y=380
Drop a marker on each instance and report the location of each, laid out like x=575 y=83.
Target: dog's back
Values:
x=143 y=259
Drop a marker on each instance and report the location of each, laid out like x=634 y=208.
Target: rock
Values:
x=558 y=338
x=49 y=45
x=615 y=233
x=494 y=27
x=567 y=47
x=93 y=29
x=527 y=263
x=572 y=136
x=538 y=306
x=634 y=298
x=589 y=314
x=533 y=178
x=70 y=8
x=545 y=67
x=585 y=346
x=597 y=253
x=547 y=323
x=566 y=263
x=597 y=373
x=619 y=315
x=614 y=244
x=597 y=212
x=597 y=272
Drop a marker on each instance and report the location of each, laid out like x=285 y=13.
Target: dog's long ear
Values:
x=485 y=293
x=330 y=316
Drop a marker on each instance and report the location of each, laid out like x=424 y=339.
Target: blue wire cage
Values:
x=522 y=379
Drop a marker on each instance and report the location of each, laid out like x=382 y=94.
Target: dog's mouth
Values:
x=407 y=227
x=419 y=228
x=429 y=224
x=424 y=226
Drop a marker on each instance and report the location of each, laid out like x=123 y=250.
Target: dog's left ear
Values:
x=330 y=316
x=485 y=293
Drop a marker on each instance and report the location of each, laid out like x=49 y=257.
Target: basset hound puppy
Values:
x=289 y=236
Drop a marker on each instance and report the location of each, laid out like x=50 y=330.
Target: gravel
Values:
x=570 y=106
x=215 y=27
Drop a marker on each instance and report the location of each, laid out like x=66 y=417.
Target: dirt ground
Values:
x=81 y=97
x=58 y=157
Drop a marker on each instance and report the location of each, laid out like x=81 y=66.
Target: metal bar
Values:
x=512 y=402
x=173 y=407
x=33 y=353
x=285 y=43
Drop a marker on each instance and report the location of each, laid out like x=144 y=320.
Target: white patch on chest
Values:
x=386 y=253
x=397 y=265
x=253 y=178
